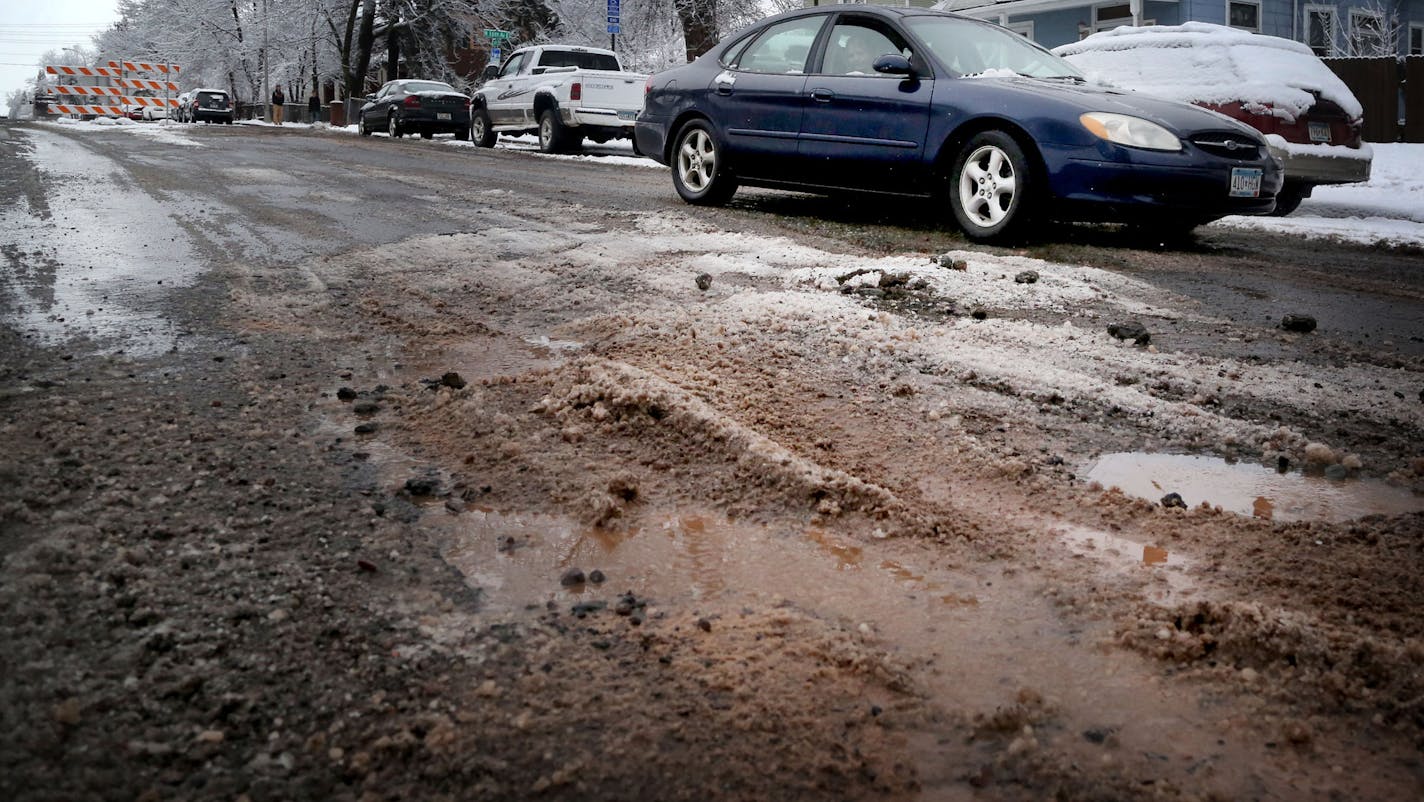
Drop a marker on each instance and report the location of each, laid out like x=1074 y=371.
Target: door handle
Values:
x=724 y=89
x=822 y=95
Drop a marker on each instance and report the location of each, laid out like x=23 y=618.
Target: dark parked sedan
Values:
x=416 y=107
x=918 y=102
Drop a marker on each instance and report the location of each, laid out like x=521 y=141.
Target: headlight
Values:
x=1131 y=131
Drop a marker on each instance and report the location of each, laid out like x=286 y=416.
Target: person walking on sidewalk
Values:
x=314 y=107
x=278 y=98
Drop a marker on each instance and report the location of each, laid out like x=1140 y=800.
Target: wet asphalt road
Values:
x=99 y=226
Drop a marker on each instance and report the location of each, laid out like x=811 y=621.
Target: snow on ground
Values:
x=1386 y=210
x=762 y=285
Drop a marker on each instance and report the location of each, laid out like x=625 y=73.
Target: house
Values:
x=1350 y=28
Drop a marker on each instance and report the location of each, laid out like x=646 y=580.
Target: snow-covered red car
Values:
x=1311 y=120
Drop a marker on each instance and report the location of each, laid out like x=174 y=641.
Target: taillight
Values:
x=412 y=102
x=648 y=85
x=467 y=104
x=576 y=91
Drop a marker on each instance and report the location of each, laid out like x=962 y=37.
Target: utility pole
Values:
x=266 y=78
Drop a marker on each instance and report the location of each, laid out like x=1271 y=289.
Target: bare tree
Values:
x=1375 y=30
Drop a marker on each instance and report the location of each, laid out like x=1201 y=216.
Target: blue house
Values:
x=1350 y=28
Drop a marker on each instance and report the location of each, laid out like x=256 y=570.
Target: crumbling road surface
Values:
x=343 y=468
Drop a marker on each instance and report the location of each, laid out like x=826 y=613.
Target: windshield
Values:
x=969 y=48
x=427 y=86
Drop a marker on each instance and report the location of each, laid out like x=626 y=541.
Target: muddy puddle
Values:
x=1249 y=489
x=982 y=636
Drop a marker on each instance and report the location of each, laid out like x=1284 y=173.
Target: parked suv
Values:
x=209 y=106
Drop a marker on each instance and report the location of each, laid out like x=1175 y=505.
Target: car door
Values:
x=502 y=98
x=757 y=98
x=389 y=101
x=373 y=112
x=861 y=128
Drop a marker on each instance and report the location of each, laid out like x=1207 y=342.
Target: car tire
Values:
x=481 y=130
x=699 y=169
x=552 y=134
x=1289 y=198
x=393 y=126
x=362 y=128
x=991 y=187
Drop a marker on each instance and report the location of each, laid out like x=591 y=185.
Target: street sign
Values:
x=494 y=55
x=496 y=36
x=613 y=28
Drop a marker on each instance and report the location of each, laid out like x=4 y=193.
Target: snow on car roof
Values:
x=1198 y=62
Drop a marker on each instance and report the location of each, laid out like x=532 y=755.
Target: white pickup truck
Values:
x=565 y=94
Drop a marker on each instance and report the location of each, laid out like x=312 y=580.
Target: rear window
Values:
x=584 y=61
x=426 y=86
x=208 y=97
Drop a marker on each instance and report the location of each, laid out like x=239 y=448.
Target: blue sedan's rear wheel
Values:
x=991 y=187
x=699 y=172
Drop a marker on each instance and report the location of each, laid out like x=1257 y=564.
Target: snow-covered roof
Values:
x=1198 y=62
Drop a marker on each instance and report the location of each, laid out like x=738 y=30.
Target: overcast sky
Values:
x=28 y=28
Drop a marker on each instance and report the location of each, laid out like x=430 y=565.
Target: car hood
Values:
x=1183 y=118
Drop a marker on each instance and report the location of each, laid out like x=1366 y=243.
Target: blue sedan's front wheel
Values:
x=990 y=187
x=699 y=171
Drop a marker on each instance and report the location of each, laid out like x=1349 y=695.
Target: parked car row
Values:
x=915 y=102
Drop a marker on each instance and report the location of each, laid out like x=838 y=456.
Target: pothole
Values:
x=1249 y=489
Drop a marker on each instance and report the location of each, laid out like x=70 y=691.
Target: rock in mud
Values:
x=979 y=314
x=422 y=486
x=1303 y=324
x=346 y=394
x=571 y=577
x=1130 y=331
x=453 y=380
x=945 y=260
x=1174 y=500
x=367 y=428
x=596 y=576
x=704 y=280
x=1026 y=277
x=366 y=408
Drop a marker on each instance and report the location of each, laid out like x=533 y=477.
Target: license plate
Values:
x=1245 y=182
x=442 y=115
x=627 y=115
x=1320 y=132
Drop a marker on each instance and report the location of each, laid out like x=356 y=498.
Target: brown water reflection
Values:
x=1249 y=489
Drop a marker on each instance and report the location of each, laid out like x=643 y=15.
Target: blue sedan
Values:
x=916 y=102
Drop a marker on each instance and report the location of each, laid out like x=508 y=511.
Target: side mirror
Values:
x=893 y=64
x=369 y=98
x=491 y=72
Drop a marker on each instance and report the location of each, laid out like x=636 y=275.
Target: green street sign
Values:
x=494 y=35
